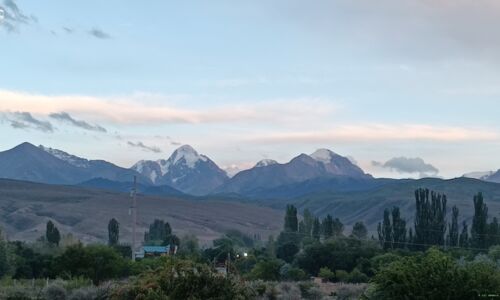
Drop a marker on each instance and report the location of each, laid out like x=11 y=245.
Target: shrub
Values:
x=55 y=292
x=341 y=275
x=266 y=270
x=182 y=279
x=288 y=291
x=435 y=275
x=357 y=277
x=310 y=291
x=350 y=291
x=326 y=274
x=18 y=294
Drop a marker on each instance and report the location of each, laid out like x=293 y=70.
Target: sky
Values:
x=403 y=88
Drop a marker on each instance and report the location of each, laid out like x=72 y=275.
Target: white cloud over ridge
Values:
x=130 y=110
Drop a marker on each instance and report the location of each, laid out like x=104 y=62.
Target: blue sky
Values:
x=247 y=80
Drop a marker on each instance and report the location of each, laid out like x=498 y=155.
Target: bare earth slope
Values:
x=25 y=208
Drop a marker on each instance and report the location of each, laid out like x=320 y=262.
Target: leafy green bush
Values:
x=326 y=274
x=436 y=275
x=97 y=262
x=182 y=279
x=356 y=276
x=268 y=270
x=341 y=275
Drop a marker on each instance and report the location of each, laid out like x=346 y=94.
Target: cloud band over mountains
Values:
x=25 y=120
x=310 y=118
x=144 y=147
x=65 y=117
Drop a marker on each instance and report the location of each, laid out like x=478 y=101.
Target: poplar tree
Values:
x=385 y=231
x=359 y=230
x=479 y=228
x=493 y=232
x=337 y=227
x=463 y=240
x=308 y=221
x=430 y=219
x=291 y=221
x=113 y=232
x=327 y=227
x=316 y=229
x=398 y=229
x=52 y=234
x=453 y=235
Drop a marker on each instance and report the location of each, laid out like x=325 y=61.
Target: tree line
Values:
x=431 y=227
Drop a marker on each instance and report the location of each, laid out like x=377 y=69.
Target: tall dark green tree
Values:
x=493 y=232
x=385 y=231
x=327 y=227
x=337 y=227
x=302 y=228
x=479 y=228
x=159 y=233
x=308 y=221
x=359 y=230
x=52 y=234
x=398 y=229
x=463 y=240
x=4 y=261
x=291 y=220
x=430 y=218
x=316 y=229
x=113 y=232
x=453 y=231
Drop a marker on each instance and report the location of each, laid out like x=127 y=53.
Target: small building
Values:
x=153 y=251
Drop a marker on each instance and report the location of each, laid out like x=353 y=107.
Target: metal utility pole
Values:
x=134 y=215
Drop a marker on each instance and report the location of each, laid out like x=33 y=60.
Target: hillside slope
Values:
x=25 y=208
x=368 y=206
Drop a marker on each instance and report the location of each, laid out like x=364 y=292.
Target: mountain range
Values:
x=268 y=175
x=188 y=172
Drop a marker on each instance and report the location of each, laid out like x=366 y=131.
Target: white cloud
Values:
x=133 y=110
x=408 y=165
x=379 y=132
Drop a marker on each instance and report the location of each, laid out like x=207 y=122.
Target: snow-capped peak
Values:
x=323 y=155
x=265 y=162
x=71 y=159
x=190 y=156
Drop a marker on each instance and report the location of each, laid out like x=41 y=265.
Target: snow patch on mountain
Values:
x=323 y=155
x=190 y=156
x=265 y=163
x=164 y=165
x=71 y=159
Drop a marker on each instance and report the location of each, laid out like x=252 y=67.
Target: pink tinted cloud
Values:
x=378 y=132
x=134 y=110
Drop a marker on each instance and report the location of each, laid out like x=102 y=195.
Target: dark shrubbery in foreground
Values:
x=182 y=279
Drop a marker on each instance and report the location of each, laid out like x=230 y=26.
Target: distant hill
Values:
x=494 y=177
x=47 y=165
x=368 y=205
x=126 y=187
x=318 y=185
x=25 y=207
